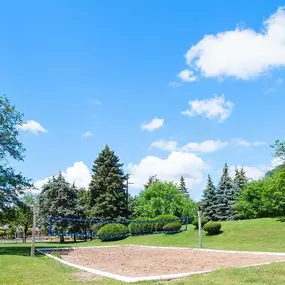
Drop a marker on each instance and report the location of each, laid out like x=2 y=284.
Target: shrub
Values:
x=173 y=226
x=143 y=227
x=2 y=233
x=109 y=232
x=203 y=222
x=96 y=227
x=167 y=219
x=212 y=228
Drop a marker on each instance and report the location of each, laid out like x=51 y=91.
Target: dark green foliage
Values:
x=279 y=148
x=203 y=222
x=263 y=198
x=108 y=231
x=107 y=187
x=163 y=198
x=142 y=227
x=209 y=202
x=182 y=187
x=173 y=226
x=60 y=198
x=11 y=184
x=239 y=181
x=225 y=197
x=96 y=227
x=2 y=233
x=212 y=228
x=164 y=220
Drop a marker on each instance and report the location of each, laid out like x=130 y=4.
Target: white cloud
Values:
x=155 y=123
x=32 y=127
x=86 y=134
x=170 y=169
x=241 y=53
x=212 y=108
x=78 y=174
x=164 y=145
x=205 y=146
x=277 y=161
x=242 y=142
x=187 y=75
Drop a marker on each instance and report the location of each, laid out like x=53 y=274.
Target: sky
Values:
x=173 y=87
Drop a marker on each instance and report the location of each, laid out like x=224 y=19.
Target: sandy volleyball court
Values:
x=135 y=261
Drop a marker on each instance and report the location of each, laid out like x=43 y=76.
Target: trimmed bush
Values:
x=173 y=226
x=159 y=225
x=108 y=231
x=141 y=228
x=203 y=222
x=212 y=228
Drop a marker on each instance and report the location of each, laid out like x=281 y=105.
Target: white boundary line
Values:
x=158 y=277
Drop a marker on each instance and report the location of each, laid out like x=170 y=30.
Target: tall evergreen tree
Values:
x=182 y=187
x=209 y=202
x=59 y=198
x=239 y=181
x=108 y=187
x=225 y=197
x=151 y=180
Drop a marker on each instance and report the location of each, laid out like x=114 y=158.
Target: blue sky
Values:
x=107 y=68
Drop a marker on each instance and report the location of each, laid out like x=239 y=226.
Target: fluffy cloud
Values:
x=78 y=174
x=154 y=124
x=241 y=53
x=170 y=169
x=205 y=146
x=212 y=108
x=86 y=134
x=277 y=161
x=32 y=127
x=164 y=145
x=187 y=75
x=242 y=142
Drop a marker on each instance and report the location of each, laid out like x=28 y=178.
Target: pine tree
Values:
x=59 y=198
x=107 y=187
x=151 y=180
x=182 y=187
x=209 y=202
x=225 y=197
x=240 y=180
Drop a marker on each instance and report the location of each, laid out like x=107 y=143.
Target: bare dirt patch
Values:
x=134 y=261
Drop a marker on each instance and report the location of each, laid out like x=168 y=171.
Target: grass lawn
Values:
x=16 y=267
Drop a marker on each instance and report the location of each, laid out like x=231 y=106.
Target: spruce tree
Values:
x=209 y=202
x=108 y=187
x=183 y=188
x=239 y=181
x=151 y=180
x=225 y=197
x=59 y=198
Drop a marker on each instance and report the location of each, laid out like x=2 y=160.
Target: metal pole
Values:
x=34 y=229
x=200 y=229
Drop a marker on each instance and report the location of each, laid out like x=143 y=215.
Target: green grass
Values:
x=16 y=267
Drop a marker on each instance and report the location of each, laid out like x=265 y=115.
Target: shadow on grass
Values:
x=282 y=220
x=219 y=233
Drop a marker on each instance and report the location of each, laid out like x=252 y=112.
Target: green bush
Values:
x=212 y=228
x=143 y=227
x=96 y=227
x=203 y=222
x=108 y=232
x=2 y=233
x=173 y=226
x=159 y=225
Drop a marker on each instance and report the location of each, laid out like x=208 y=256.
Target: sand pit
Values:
x=144 y=263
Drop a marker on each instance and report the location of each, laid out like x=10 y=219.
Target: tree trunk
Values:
x=74 y=238
x=61 y=239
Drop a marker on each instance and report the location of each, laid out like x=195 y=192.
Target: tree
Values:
x=163 y=198
x=225 y=197
x=108 y=187
x=24 y=214
x=279 y=148
x=209 y=203
x=151 y=180
x=239 y=181
x=182 y=187
x=59 y=198
x=11 y=184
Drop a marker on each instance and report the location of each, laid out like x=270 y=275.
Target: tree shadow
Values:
x=282 y=220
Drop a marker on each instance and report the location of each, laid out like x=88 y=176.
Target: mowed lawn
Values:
x=16 y=267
